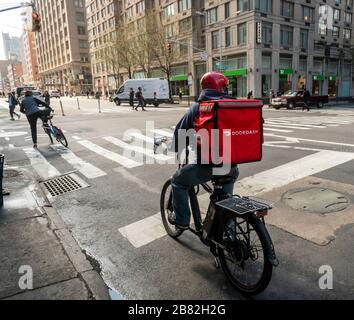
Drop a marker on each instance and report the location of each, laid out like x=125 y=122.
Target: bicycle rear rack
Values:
x=245 y=205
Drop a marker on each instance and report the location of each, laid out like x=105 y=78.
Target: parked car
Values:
x=54 y=94
x=149 y=87
x=293 y=99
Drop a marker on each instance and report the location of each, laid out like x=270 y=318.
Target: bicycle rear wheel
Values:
x=243 y=256
x=62 y=139
x=166 y=208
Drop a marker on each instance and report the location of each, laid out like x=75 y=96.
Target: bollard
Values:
x=2 y=160
x=78 y=104
x=99 y=105
x=62 y=110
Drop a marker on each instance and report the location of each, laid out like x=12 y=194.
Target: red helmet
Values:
x=214 y=80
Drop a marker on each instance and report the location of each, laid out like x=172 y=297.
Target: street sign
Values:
x=259 y=32
x=204 y=56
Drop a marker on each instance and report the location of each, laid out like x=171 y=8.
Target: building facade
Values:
x=103 y=18
x=258 y=44
x=30 y=64
x=62 y=46
x=14 y=76
x=4 y=82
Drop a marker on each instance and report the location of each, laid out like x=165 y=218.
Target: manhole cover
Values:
x=64 y=184
x=316 y=200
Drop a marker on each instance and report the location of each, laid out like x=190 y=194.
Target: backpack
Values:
x=230 y=131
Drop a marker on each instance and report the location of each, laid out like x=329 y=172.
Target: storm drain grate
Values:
x=64 y=184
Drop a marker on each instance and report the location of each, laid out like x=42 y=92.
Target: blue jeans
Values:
x=188 y=177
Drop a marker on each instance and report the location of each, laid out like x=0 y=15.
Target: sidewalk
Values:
x=35 y=241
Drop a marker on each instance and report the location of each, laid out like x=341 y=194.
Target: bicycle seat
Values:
x=223 y=180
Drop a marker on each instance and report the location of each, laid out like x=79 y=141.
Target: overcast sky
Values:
x=10 y=21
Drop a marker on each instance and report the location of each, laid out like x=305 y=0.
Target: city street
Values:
x=116 y=220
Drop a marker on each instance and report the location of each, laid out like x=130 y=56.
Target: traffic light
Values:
x=169 y=47
x=36 y=22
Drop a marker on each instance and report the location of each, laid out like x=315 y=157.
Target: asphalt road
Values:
x=115 y=220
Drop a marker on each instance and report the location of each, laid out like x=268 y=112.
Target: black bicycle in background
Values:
x=234 y=229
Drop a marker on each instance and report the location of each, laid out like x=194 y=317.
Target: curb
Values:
x=86 y=271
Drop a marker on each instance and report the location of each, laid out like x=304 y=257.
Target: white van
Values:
x=148 y=86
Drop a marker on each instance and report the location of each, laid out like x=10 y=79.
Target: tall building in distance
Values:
x=4 y=82
x=30 y=64
x=14 y=75
x=11 y=47
x=62 y=46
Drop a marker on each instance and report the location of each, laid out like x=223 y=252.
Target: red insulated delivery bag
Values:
x=230 y=131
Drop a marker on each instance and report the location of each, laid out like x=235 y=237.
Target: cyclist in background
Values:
x=30 y=106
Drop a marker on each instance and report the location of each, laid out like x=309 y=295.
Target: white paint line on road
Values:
x=277 y=130
x=12 y=134
x=141 y=137
x=87 y=169
x=76 y=138
x=44 y=169
x=150 y=229
x=126 y=162
x=293 y=126
x=11 y=146
x=141 y=150
x=273 y=121
x=144 y=231
x=7 y=139
x=310 y=140
x=168 y=134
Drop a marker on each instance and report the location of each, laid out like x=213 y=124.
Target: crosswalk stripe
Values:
x=284 y=126
x=126 y=162
x=44 y=169
x=277 y=130
x=145 y=151
x=150 y=229
x=141 y=137
x=168 y=134
x=273 y=121
x=87 y=169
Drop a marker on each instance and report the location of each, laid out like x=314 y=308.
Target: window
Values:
x=81 y=30
x=267 y=33
x=322 y=29
x=78 y=3
x=335 y=31
x=266 y=61
x=228 y=37
x=304 y=38
x=264 y=6
x=303 y=65
x=215 y=36
x=184 y=5
x=347 y=33
x=227 y=10
x=286 y=36
x=212 y=16
x=183 y=48
x=243 y=5
x=242 y=34
x=169 y=10
x=140 y=7
x=185 y=25
x=348 y=18
x=80 y=17
x=336 y=15
x=169 y=30
x=308 y=14
x=287 y=9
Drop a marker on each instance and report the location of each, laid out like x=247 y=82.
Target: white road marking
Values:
x=44 y=169
x=292 y=126
x=12 y=134
x=126 y=162
x=87 y=169
x=168 y=134
x=273 y=121
x=277 y=130
x=141 y=137
x=11 y=146
x=76 y=137
x=145 y=151
x=150 y=229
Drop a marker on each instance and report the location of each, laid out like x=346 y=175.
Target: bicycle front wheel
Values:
x=62 y=139
x=166 y=208
x=243 y=253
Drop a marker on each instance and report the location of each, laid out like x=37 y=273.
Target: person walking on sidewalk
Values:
x=46 y=97
x=30 y=106
x=131 y=98
x=306 y=100
x=12 y=105
x=141 y=99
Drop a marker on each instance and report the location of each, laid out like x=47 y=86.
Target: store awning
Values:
x=236 y=73
x=284 y=72
x=318 y=77
x=180 y=77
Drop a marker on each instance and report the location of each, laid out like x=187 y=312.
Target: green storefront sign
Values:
x=180 y=77
x=332 y=78
x=285 y=72
x=318 y=77
x=236 y=73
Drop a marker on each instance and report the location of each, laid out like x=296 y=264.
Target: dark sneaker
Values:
x=172 y=220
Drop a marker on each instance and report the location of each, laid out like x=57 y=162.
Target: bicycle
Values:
x=230 y=229
x=53 y=131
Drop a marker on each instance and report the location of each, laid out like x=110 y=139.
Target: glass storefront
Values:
x=317 y=84
x=266 y=84
x=301 y=83
x=332 y=86
x=285 y=80
x=179 y=83
x=238 y=82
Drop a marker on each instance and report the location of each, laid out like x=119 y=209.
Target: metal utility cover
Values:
x=316 y=200
x=63 y=184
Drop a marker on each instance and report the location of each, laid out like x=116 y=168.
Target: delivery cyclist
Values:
x=214 y=87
